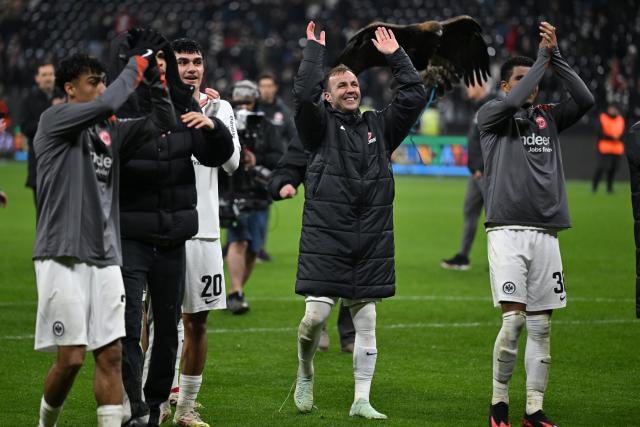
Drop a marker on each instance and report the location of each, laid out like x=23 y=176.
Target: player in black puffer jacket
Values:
x=346 y=246
x=158 y=214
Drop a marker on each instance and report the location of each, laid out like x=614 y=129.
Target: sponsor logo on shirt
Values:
x=102 y=165
x=537 y=143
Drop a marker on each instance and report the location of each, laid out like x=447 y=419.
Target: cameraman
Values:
x=246 y=188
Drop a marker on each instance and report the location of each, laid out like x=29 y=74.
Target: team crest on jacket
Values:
x=542 y=123
x=105 y=137
x=371 y=138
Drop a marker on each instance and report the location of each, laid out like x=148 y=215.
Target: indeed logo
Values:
x=534 y=139
x=102 y=165
x=537 y=143
x=101 y=161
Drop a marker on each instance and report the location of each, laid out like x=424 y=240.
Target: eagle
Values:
x=443 y=51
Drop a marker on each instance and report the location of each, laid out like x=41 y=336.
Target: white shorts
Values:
x=345 y=301
x=525 y=267
x=204 y=287
x=78 y=304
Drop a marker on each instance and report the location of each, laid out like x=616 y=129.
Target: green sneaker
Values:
x=303 y=396
x=362 y=408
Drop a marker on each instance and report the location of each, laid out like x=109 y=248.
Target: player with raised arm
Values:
x=77 y=251
x=346 y=245
x=526 y=207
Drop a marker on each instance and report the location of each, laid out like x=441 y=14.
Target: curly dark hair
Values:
x=515 y=61
x=185 y=45
x=71 y=67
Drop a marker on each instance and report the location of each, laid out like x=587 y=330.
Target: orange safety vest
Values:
x=613 y=126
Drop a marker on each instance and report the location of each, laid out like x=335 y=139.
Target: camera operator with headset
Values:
x=245 y=199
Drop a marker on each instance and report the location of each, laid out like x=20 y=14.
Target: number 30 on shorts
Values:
x=212 y=286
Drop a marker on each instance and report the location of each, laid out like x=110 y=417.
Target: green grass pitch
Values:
x=435 y=337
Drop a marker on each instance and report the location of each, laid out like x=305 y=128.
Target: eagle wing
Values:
x=420 y=41
x=464 y=48
x=454 y=49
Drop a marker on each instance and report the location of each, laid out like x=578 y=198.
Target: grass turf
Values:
x=435 y=337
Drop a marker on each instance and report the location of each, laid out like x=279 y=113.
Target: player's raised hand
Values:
x=547 y=35
x=311 y=35
x=385 y=41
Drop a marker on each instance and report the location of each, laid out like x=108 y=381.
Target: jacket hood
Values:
x=138 y=103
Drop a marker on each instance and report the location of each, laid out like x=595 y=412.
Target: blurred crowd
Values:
x=242 y=39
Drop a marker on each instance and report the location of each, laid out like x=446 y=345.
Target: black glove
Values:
x=145 y=43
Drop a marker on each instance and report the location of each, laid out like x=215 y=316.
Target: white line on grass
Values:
x=395 y=298
x=431 y=325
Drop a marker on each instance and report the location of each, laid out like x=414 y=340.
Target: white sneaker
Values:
x=188 y=418
x=165 y=411
x=362 y=408
x=303 y=396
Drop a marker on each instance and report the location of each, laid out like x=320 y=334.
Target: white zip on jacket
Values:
x=207 y=178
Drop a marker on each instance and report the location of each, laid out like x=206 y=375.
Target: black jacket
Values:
x=32 y=107
x=633 y=155
x=346 y=245
x=281 y=117
x=157 y=183
x=263 y=140
x=290 y=169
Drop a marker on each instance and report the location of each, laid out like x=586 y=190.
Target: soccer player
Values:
x=158 y=212
x=526 y=206
x=77 y=251
x=204 y=279
x=346 y=245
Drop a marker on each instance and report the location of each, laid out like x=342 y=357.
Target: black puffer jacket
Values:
x=291 y=168
x=633 y=155
x=157 y=183
x=346 y=246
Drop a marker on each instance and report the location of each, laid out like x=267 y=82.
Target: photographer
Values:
x=246 y=190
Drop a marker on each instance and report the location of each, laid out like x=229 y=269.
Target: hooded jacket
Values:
x=158 y=190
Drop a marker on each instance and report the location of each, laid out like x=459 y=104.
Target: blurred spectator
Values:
x=6 y=138
x=610 y=146
x=38 y=99
x=281 y=118
x=246 y=37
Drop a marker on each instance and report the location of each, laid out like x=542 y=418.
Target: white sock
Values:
x=176 y=375
x=365 y=353
x=147 y=354
x=505 y=352
x=315 y=314
x=109 y=416
x=189 y=388
x=48 y=414
x=537 y=360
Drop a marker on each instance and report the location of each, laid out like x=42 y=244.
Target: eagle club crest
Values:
x=509 y=288
x=542 y=123
x=105 y=137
